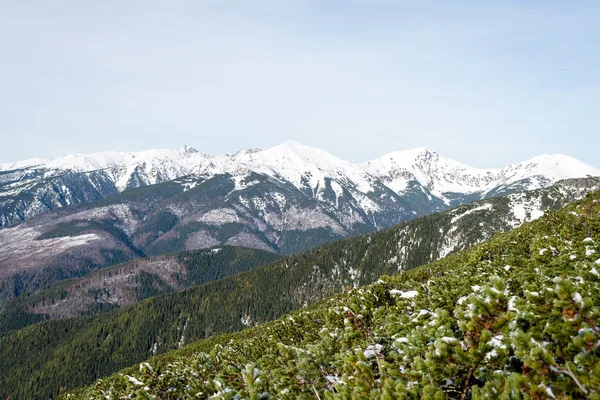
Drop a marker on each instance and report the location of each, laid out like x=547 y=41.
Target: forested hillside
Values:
x=125 y=284
x=92 y=347
x=515 y=317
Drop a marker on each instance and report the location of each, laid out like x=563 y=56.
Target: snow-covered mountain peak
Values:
x=417 y=152
x=552 y=167
x=189 y=150
x=439 y=174
x=31 y=162
x=95 y=161
x=310 y=169
x=297 y=153
x=444 y=175
x=408 y=158
x=303 y=166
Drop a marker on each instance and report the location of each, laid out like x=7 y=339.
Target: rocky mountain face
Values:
x=379 y=193
x=32 y=187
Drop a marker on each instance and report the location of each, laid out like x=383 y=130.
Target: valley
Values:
x=233 y=303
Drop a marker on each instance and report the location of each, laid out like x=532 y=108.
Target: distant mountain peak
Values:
x=292 y=143
x=422 y=173
x=304 y=152
x=444 y=175
x=418 y=153
x=189 y=150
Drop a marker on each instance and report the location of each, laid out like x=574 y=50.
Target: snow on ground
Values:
x=449 y=244
x=241 y=182
x=442 y=175
x=367 y=204
x=405 y=295
x=220 y=216
x=189 y=185
x=20 y=247
x=339 y=192
x=460 y=214
x=526 y=210
x=122 y=212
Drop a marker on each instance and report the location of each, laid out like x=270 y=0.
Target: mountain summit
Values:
x=398 y=186
x=444 y=176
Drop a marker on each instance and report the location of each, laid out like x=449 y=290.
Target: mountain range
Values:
x=65 y=217
x=377 y=193
x=193 y=233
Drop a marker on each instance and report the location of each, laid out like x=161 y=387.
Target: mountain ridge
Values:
x=191 y=161
x=410 y=182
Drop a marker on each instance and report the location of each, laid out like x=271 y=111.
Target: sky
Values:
x=486 y=83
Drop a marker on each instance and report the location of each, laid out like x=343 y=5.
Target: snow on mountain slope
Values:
x=552 y=167
x=20 y=248
x=32 y=162
x=385 y=191
x=438 y=174
x=303 y=166
x=96 y=161
x=443 y=175
x=148 y=167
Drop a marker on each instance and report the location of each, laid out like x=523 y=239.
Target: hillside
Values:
x=165 y=218
x=286 y=198
x=129 y=283
x=88 y=348
x=515 y=317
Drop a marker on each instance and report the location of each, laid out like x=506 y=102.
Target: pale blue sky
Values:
x=484 y=82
